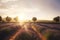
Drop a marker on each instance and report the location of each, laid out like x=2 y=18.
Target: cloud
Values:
x=40 y=7
x=4 y=1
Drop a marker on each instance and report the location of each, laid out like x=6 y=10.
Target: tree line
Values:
x=8 y=19
x=55 y=19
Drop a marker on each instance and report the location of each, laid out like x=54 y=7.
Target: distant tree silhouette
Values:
x=3 y=21
x=34 y=19
x=56 y=19
x=16 y=19
x=0 y=18
x=8 y=19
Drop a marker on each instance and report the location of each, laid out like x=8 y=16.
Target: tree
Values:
x=16 y=18
x=34 y=19
x=0 y=18
x=8 y=19
x=56 y=19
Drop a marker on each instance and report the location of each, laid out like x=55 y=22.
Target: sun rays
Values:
x=29 y=29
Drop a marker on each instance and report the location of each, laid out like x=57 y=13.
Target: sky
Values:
x=26 y=9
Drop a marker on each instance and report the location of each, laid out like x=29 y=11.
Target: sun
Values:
x=21 y=17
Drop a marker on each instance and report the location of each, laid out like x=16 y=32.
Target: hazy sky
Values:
x=26 y=9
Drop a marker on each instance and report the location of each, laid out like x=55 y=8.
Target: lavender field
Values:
x=29 y=31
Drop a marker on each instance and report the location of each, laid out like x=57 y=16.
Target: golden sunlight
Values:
x=21 y=17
